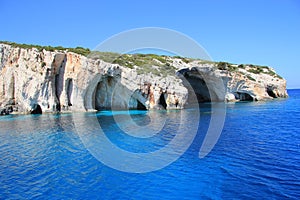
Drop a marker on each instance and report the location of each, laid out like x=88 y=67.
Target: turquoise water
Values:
x=256 y=157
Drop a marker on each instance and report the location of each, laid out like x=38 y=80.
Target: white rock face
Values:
x=65 y=81
x=244 y=83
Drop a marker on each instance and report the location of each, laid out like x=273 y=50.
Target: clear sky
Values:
x=265 y=32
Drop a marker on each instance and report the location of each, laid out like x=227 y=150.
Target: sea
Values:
x=253 y=154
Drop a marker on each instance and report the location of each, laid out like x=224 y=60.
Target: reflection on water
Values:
x=257 y=155
x=119 y=142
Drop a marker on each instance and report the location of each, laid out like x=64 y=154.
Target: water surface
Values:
x=256 y=157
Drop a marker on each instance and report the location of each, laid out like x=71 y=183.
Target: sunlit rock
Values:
x=63 y=81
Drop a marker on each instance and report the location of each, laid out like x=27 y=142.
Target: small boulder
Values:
x=230 y=97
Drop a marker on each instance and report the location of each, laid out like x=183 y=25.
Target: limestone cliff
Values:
x=36 y=80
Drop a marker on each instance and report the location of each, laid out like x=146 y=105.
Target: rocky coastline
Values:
x=37 y=80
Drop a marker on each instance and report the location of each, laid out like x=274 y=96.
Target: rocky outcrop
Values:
x=211 y=82
x=36 y=81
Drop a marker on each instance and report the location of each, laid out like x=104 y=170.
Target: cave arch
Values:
x=89 y=100
x=137 y=100
x=271 y=92
x=198 y=91
x=36 y=109
x=203 y=84
x=58 y=84
x=110 y=94
x=243 y=96
x=100 y=96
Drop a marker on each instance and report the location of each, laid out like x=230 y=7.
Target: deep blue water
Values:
x=256 y=157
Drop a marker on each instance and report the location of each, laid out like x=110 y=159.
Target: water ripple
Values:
x=257 y=157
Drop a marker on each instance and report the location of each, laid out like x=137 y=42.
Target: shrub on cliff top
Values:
x=241 y=66
x=222 y=65
x=142 y=60
x=226 y=66
x=78 y=50
x=255 y=70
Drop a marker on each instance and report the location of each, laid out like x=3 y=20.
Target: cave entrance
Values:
x=58 y=85
x=197 y=90
x=57 y=91
x=111 y=95
x=162 y=101
x=69 y=88
x=37 y=109
x=244 y=96
x=100 y=96
x=271 y=93
x=140 y=106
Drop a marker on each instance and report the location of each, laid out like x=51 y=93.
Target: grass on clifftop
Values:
x=146 y=63
x=130 y=60
x=78 y=50
x=159 y=65
x=254 y=69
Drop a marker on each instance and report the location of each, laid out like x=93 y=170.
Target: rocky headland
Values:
x=35 y=79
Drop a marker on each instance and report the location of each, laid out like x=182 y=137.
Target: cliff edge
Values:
x=36 y=80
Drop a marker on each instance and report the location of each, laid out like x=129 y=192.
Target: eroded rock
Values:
x=39 y=81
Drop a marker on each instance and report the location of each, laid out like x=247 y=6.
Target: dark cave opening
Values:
x=197 y=89
x=106 y=97
x=58 y=107
x=271 y=93
x=57 y=92
x=202 y=98
x=58 y=85
x=140 y=106
x=37 y=109
x=244 y=96
x=162 y=101
x=100 y=96
x=69 y=87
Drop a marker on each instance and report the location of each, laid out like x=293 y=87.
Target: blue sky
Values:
x=264 y=32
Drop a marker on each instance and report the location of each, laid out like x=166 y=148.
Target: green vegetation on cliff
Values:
x=254 y=69
x=146 y=63
x=159 y=65
x=78 y=50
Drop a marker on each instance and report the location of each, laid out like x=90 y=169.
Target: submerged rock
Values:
x=39 y=81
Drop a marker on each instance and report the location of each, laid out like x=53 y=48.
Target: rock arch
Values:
x=108 y=93
x=270 y=91
x=243 y=96
x=89 y=100
x=101 y=97
x=203 y=85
